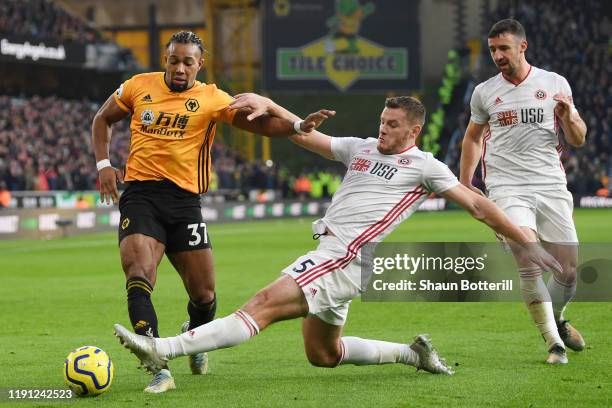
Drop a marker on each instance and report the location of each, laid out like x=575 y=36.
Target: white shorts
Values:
x=330 y=277
x=548 y=213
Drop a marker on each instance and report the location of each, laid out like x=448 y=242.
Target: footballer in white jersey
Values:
x=386 y=180
x=514 y=129
x=378 y=192
x=522 y=147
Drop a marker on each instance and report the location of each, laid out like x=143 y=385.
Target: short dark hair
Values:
x=508 y=25
x=186 y=37
x=414 y=109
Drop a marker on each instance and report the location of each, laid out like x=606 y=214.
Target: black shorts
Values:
x=164 y=211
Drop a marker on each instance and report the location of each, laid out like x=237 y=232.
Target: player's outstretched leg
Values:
x=154 y=353
x=281 y=300
x=420 y=354
x=325 y=348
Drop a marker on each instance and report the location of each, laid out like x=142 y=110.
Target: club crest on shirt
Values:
x=147 y=117
x=540 y=94
x=404 y=162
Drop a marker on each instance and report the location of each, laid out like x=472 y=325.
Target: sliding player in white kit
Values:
x=386 y=181
x=522 y=108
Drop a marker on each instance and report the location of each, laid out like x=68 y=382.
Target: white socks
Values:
x=358 y=351
x=220 y=333
x=536 y=297
x=560 y=294
x=239 y=327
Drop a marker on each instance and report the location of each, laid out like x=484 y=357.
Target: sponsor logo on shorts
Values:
x=191 y=333
x=313 y=292
x=125 y=223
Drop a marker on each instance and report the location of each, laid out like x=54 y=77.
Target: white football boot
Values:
x=143 y=347
x=161 y=382
x=428 y=356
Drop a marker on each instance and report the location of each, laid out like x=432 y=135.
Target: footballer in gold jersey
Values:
x=173 y=120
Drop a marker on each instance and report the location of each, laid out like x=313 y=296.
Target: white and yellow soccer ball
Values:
x=88 y=371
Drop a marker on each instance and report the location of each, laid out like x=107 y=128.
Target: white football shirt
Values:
x=380 y=191
x=522 y=146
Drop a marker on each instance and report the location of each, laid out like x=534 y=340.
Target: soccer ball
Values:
x=88 y=371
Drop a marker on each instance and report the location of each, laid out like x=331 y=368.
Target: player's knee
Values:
x=569 y=273
x=135 y=268
x=323 y=358
x=202 y=295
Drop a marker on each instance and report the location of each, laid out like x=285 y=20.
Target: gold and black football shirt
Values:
x=172 y=132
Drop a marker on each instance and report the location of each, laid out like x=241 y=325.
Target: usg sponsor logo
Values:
x=27 y=50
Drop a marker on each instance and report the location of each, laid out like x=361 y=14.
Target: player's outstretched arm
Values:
x=256 y=112
x=484 y=210
x=572 y=124
x=108 y=114
x=315 y=141
x=470 y=153
x=261 y=115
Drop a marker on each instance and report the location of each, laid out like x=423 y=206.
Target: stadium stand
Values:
x=42 y=19
x=572 y=39
x=45 y=145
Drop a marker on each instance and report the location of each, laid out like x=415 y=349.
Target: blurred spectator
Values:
x=81 y=202
x=302 y=187
x=5 y=195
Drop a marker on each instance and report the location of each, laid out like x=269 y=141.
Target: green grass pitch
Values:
x=61 y=294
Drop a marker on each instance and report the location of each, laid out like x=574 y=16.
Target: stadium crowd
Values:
x=45 y=144
x=43 y=19
x=572 y=39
